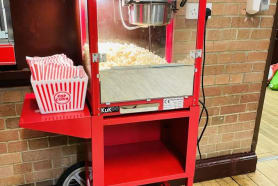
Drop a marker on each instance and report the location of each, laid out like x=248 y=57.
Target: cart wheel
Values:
x=75 y=175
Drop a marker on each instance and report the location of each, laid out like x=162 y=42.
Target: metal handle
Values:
x=2 y=26
x=3 y=21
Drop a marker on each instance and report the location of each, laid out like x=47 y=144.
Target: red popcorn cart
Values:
x=143 y=59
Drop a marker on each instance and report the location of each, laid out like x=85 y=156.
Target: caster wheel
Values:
x=75 y=175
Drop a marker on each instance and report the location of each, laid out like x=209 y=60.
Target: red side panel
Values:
x=7 y=56
x=77 y=124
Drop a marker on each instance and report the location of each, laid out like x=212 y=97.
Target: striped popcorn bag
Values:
x=58 y=85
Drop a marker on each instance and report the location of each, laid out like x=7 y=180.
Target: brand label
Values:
x=110 y=109
x=62 y=98
x=173 y=103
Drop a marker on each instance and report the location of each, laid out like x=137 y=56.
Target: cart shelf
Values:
x=77 y=124
x=141 y=163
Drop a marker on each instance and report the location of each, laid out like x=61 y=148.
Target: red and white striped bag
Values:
x=58 y=87
x=60 y=95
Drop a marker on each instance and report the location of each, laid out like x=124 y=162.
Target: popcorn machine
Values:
x=145 y=66
x=143 y=60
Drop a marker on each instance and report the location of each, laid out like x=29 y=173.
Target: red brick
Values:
x=235 y=89
x=18 y=108
x=255 y=87
x=249 y=125
x=77 y=149
x=39 y=175
x=211 y=58
x=12 y=123
x=58 y=140
x=236 y=78
x=214 y=69
x=3 y=148
x=232 y=109
x=17 y=146
x=250 y=98
x=217 y=120
x=231 y=118
x=252 y=106
x=247 y=116
x=38 y=143
x=228 y=137
x=239 y=57
x=8 y=135
x=225 y=9
x=208 y=148
x=10 y=158
x=183 y=35
x=213 y=111
x=11 y=95
x=257 y=56
x=42 y=165
x=226 y=128
x=267 y=22
x=222 y=79
x=209 y=80
x=239 y=22
x=13 y=180
x=244 y=134
x=253 y=77
x=223 y=58
x=6 y=171
x=28 y=134
x=182 y=23
x=63 y=162
x=22 y=168
x=220 y=46
x=243 y=34
x=261 y=34
x=225 y=146
x=7 y=110
x=219 y=22
x=223 y=100
x=2 y=124
x=259 y=67
x=213 y=139
x=213 y=91
x=239 y=68
x=42 y=154
x=245 y=143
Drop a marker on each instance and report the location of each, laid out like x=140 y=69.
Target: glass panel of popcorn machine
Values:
x=146 y=45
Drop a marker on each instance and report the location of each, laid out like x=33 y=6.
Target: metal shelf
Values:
x=77 y=124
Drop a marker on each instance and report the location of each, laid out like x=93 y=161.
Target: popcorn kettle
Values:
x=146 y=13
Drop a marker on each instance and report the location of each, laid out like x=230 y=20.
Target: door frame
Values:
x=264 y=83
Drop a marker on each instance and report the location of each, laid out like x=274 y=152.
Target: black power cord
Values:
x=203 y=103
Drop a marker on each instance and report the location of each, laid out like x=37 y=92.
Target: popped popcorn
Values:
x=118 y=54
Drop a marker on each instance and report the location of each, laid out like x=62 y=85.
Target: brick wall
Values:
x=236 y=56
x=29 y=157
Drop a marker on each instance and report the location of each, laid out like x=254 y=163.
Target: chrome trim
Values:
x=6 y=30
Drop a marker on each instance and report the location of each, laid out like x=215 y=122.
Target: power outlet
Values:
x=192 y=10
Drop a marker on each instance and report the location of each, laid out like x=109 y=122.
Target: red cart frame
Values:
x=133 y=149
x=100 y=120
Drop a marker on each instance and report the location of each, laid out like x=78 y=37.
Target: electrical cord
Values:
x=203 y=103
